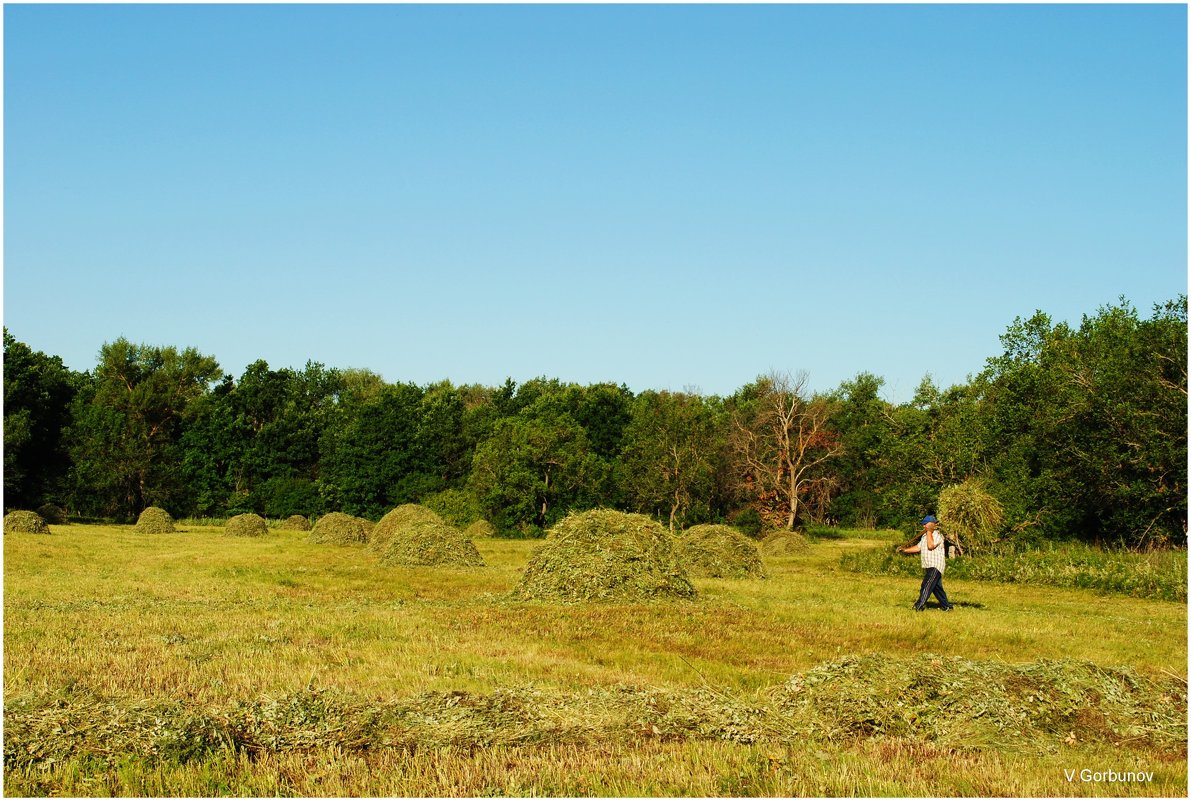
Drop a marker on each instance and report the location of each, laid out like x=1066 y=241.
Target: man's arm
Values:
x=932 y=540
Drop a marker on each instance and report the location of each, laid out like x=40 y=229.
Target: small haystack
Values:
x=155 y=520
x=784 y=543
x=53 y=514
x=25 y=523
x=481 y=529
x=602 y=555
x=714 y=551
x=414 y=536
x=294 y=523
x=247 y=525
x=338 y=528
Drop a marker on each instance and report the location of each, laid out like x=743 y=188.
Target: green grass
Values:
x=196 y=626
x=1160 y=574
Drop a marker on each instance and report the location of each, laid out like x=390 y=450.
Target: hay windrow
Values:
x=246 y=525
x=715 y=551
x=337 y=528
x=155 y=520
x=966 y=705
x=25 y=522
x=602 y=555
x=414 y=536
x=480 y=529
x=294 y=523
x=785 y=543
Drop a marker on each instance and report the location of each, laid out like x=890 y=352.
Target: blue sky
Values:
x=664 y=196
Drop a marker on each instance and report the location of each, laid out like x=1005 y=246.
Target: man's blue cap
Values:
x=928 y=519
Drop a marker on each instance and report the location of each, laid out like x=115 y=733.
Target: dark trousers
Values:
x=932 y=583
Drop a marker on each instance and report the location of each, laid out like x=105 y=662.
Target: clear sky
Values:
x=665 y=196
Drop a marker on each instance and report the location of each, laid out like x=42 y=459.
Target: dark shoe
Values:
x=948 y=608
x=919 y=608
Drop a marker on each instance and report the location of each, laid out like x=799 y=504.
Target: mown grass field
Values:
x=306 y=646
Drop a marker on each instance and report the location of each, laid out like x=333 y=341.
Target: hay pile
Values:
x=247 y=525
x=480 y=528
x=603 y=555
x=414 y=536
x=338 y=528
x=294 y=523
x=714 y=551
x=155 y=520
x=53 y=514
x=25 y=523
x=968 y=703
x=784 y=543
x=968 y=512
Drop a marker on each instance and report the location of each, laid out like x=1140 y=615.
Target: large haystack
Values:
x=338 y=528
x=603 y=555
x=414 y=536
x=155 y=520
x=248 y=525
x=294 y=523
x=713 y=551
x=784 y=543
x=480 y=528
x=25 y=523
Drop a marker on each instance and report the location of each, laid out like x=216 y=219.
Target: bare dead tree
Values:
x=781 y=441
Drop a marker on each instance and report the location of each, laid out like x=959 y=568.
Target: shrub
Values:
x=53 y=514
x=155 y=520
x=602 y=555
x=338 y=528
x=25 y=523
x=246 y=525
x=282 y=497
x=414 y=536
x=784 y=543
x=715 y=551
x=749 y=521
x=457 y=507
x=295 y=523
x=480 y=528
x=969 y=512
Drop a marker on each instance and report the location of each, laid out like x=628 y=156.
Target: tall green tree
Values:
x=668 y=466
x=533 y=469
x=38 y=392
x=127 y=432
x=1088 y=426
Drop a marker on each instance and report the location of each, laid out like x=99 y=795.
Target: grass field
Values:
x=196 y=664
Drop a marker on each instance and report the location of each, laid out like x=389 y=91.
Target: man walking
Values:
x=934 y=562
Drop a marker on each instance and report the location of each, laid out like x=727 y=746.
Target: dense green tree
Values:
x=1087 y=427
x=38 y=391
x=533 y=470
x=372 y=455
x=127 y=431
x=669 y=463
x=253 y=445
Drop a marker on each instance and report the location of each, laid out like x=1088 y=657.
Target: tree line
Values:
x=1078 y=432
